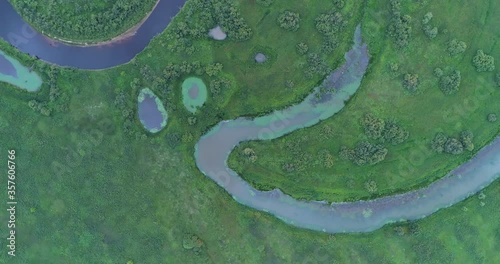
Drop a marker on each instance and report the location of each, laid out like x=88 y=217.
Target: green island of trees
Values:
x=97 y=188
x=84 y=21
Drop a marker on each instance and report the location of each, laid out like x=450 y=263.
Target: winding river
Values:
x=22 y=36
x=213 y=149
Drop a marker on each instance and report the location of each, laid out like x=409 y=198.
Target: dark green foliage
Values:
x=483 y=62
x=264 y=2
x=410 y=82
x=330 y=23
x=329 y=45
x=84 y=20
x=400 y=25
x=213 y=69
x=466 y=138
x=302 y=48
x=439 y=142
x=430 y=32
x=218 y=86
x=427 y=18
x=438 y=72
x=394 y=134
x=453 y=146
x=192 y=242
x=227 y=15
x=339 y=4
x=442 y=143
x=497 y=80
x=365 y=153
x=456 y=47
x=449 y=83
x=492 y=118
x=289 y=20
x=317 y=65
x=39 y=107
x=373 y=126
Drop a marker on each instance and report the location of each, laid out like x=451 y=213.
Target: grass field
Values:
x=413 y=163
x=90 y=191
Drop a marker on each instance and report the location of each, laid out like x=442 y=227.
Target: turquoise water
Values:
x=194 y=93
x=13 y=72
x=213 y=149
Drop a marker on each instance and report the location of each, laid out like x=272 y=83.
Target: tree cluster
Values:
x=228 y=16
x=317 y=65
x=265 y=2
x=302 y=48
x=385 y=131
x=364 y=153
x=456 y=47
x=400 y=25
x=430 y=31
x=483 y=62
x=491 y=117
x=451 y=145
x=410 y=82
x=289 y=20
x=449 y=83
x=84 y=19
x=330 y=23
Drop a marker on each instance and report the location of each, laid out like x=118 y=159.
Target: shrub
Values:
x=302 y=48
x=483 y=62
x=373 y=126
x=371 y=186
x=438 y=72
x=497 y=80
x=394 y=133
x=339 y=3
x=427 y=18
x=430 y=32
x=449 y=84
x=410 y=82
x=289 y=20
x=456 y=47
x=466 y=138
x=453 y=146
x=331 y=23
x=213 y=69
x=492 y=118
x=439 y=142
x=264 y=2
x=218 y=86
x=346 y=153
x=367 y=153
x=400 y=26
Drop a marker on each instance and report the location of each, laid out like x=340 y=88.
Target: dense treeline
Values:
x=400 y=26
x=83 y=20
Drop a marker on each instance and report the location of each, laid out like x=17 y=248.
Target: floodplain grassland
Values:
x=97 y=188
x=307 y=164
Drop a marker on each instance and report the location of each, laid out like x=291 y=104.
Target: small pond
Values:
x=13 y=72
x=194 y=93
x=152 y=113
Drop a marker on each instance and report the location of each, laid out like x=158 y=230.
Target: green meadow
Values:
x=94 y=187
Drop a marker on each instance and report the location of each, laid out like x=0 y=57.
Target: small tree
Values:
x=430 y=32
x=492 y=118
x=427 y=18
x=453 y=146
x=410 y=82
x=456 y=47
x=449 y=84
x=439 y=142
x=289 y=20
x=373 y=126
x=466 y=138
x=302 y=48
x=483 y=62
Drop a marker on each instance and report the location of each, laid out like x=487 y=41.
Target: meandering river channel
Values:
x=213 y=149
